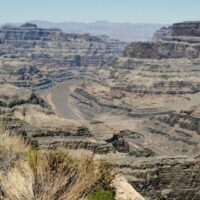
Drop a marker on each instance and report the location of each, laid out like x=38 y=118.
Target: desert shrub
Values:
x=50 y=175
x=32 y=156
x=11 y=146
x=101 y=195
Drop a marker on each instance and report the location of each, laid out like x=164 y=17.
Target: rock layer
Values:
x=178 y=41
x=141 y=114
x=36 y=58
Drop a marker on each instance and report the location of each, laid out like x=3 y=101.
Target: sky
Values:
x=132 y=11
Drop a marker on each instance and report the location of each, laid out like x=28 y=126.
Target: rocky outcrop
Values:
x=164 y=178
x=52 y=138
x=160 y=50
x=30 y=32
x=190 y=29
x=178 y=41
x=186 y=29
x=185 y=120
x=119 y=142
x=29 y=77
x=12 y=96
x=124 y=191
x=164 y=31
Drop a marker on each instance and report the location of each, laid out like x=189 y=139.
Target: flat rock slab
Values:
x=124 y=191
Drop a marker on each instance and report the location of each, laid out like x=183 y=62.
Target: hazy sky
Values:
x=135 y=11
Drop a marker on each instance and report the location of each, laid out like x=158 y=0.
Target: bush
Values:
x=11 y=146
x=101 y=195
x=42 y=175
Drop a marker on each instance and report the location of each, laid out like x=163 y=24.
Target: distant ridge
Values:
x=122 y=31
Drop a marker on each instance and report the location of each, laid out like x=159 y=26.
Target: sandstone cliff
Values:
x=179 y=41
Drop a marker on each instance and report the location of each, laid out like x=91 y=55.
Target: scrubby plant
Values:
x=11 y=146
x=50 y=175
x=101 y=194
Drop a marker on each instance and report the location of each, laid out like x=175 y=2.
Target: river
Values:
x=59 y=97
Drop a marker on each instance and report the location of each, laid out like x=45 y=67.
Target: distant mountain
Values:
x=122 y=31
x=127 y=32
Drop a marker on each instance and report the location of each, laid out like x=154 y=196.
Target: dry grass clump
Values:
x=11 y=145
x=50 y=175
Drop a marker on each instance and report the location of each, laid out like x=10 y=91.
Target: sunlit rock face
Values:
x=140 y=110
x=56 y=55
x=182 y=40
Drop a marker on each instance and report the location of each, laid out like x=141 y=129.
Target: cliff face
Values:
x=160 y=50
x=178 y=41
x=186 y=29
x=9 y=34
x=57 y=56
x=153 y=91
x=165 y=178
x=164 y=31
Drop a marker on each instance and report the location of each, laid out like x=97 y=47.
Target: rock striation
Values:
x=50 y=55
x=140 y=110
x=182 y=40
x=150 y=97
x=164 y=178
x=186 y=29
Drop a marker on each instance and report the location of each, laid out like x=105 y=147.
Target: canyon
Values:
x=134 y=105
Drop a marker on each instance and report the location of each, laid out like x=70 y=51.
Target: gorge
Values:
x=134 y=105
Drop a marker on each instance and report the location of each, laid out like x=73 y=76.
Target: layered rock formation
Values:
x=186 y=29
x=50 y=55
x=153 y=91
x=27 y=114
x=146 y=89
x=179 y=41
x=140 y=111
x=164 y=178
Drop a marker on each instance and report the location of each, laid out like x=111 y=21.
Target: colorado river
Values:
x=60 y=100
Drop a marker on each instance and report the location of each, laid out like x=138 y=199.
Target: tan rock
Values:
x=124 y=191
